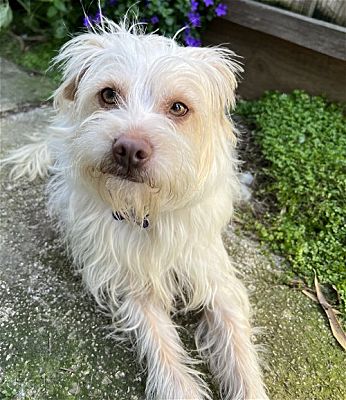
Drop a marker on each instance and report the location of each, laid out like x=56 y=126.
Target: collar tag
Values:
x=118 y=217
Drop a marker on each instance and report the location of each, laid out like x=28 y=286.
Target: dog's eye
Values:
x=110 y=96
x=178 y=109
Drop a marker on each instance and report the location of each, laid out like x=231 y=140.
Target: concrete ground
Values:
x=53 y=340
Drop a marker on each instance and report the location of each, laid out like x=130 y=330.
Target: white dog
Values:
x=142 y=180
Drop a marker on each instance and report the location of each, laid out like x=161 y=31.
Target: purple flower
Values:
x=194 y=5
x=87 y=21
x=191 y=41
x=112 y=2
x=194 y=18
x=221 y=10
x=208 y=2
x=97 y=18
x=154 y=19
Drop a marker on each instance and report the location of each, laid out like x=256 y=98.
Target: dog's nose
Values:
x=131 y=152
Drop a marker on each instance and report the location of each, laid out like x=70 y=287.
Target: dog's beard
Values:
x=139 y=194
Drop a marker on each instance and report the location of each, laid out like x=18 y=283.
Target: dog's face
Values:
x=148 y=117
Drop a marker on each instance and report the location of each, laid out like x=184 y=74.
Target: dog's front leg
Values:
x=158 y=343
x=224 y=337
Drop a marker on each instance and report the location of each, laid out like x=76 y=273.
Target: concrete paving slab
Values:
x=16 y=128
x=19 y=88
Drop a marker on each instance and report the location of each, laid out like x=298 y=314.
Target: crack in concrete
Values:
x=23 y=108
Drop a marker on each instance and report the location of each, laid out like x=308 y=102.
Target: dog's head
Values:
x=148 y=118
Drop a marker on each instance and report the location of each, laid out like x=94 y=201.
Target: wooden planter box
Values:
x=282 y=50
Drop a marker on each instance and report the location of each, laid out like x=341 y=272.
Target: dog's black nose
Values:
x=131 y=152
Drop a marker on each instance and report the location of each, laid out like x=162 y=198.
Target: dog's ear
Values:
x=73 y=60
x=222 y=70
x=69 y=88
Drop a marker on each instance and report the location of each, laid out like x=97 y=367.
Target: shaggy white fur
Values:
x=185 y=190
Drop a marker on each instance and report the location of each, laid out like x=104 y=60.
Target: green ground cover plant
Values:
x=303 y=143
x=32 y=56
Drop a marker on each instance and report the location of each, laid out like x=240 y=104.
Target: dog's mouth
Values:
x=130 y=177
x=135 y=175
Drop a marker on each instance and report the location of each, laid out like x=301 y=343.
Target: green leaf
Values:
x=6 y=15
x=51 y=12
x=60 y=5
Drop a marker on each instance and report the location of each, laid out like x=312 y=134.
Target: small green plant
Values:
x=59 y=17
x=39 y=28
x=37 y=58
x=166 y=16
x=50 y=18
x=303 y=139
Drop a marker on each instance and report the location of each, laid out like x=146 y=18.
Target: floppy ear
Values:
x=222 y=68
x=73 y=60
x=69 y=88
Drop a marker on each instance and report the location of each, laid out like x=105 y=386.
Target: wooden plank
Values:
x=271 y=63
x=311 y=33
